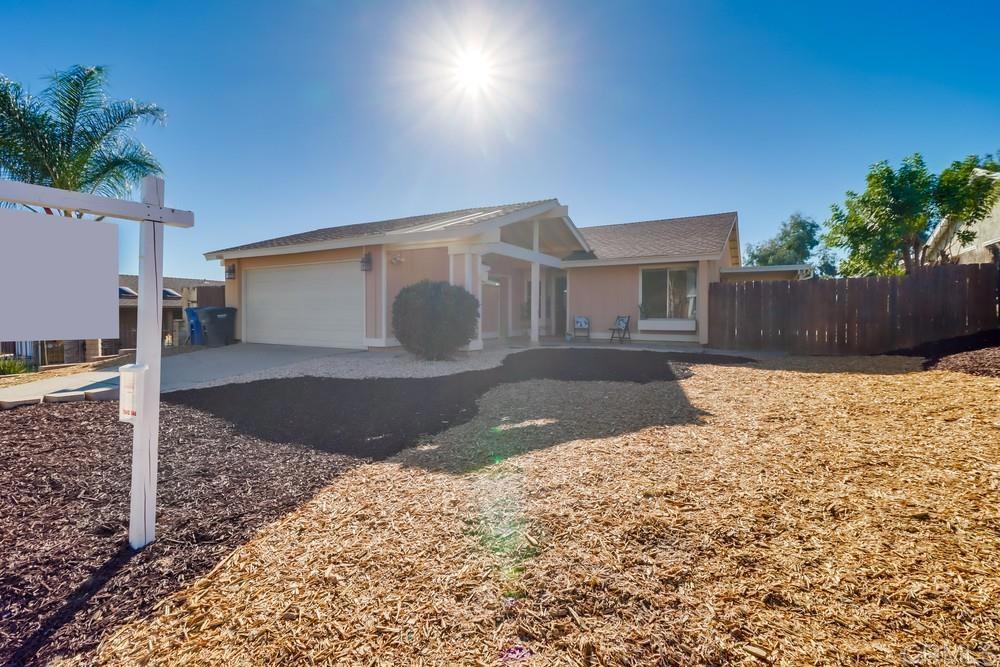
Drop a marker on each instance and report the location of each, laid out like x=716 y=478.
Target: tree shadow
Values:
x=540 y=414
x=379 y=417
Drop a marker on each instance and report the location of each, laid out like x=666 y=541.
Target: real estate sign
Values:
x=59 y=278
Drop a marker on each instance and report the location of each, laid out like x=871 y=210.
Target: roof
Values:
x=176 y=284
x=767 y=268
x=461 y=218
x=694 y=236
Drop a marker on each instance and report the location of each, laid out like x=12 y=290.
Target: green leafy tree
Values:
x=885 y=228
x=73 y=137
x=793 y=244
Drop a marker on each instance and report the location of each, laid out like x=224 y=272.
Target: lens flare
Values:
x=472 y=74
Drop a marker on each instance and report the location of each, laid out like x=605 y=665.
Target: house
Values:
x=178 y=294
x=945 y=245
x=530 y=267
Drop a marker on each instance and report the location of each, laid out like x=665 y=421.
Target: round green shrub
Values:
x=433 y=319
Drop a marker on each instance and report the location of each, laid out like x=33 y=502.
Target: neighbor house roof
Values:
x=465 y=217
x=695 y=236
x=176 y=284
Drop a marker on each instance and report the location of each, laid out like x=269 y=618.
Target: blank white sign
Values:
x=59 y=277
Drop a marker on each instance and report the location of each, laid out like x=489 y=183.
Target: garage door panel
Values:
x=315 y=304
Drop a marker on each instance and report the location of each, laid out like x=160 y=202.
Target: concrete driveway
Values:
x=183 y=371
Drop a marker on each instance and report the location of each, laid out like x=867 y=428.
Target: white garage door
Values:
x=312 y=304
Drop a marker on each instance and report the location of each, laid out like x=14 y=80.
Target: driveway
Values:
x=183 y=371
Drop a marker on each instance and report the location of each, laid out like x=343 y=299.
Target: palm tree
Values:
x=73 y=137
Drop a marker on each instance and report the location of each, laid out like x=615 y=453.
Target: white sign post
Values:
x=140 y=382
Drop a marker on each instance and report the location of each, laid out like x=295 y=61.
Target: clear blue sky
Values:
x=288 y=116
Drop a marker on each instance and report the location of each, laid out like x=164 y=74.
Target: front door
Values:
x=560 y=310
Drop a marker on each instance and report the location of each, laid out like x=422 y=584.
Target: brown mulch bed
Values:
x=978 y=354
x=378 y=417
x=818 y=511
x=67 y=573
x=985 y=361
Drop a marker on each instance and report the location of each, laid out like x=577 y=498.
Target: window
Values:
x=669 y=293
x=126 y=293
x=171 y=294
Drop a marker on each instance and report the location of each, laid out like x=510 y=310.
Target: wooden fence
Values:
x=855 y=315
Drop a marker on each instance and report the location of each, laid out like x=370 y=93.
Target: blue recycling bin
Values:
x=194 y=326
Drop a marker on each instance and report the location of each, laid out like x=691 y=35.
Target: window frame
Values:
x=683 y=324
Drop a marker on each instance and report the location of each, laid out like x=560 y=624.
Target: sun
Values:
x=474 y=72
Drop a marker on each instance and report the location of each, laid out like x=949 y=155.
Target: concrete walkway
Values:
x=182 y=371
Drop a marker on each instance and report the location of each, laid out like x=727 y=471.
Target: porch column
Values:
x=536 y=291
x=465 y=270
x=533 y=302
x=544 y=302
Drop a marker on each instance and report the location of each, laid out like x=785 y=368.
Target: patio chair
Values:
x=581 y=323
x=620 y=329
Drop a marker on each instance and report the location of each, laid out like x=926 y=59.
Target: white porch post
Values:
x=535 y=286
x=467 y=273
x=474 y=284
x=145 y=438
x=545 y=320
x=534 y=300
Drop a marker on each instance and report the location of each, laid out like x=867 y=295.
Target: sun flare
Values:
x=474 y=71
x=474 y=74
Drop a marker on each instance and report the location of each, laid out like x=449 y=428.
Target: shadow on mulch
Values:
x=978 y=354
x=378 y=417
x=67 y=575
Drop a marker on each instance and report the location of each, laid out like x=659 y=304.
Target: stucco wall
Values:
x=604 y=292
x=988 y=229
x=406 y=267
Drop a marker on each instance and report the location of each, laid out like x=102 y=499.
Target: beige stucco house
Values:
x=985 y=247
x=530 y=267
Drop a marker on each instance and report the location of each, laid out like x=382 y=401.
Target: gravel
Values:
x=402 y=364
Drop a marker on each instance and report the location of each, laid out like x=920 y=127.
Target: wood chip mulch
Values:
x=984 y=361
x=66 y=573
x=817 y=511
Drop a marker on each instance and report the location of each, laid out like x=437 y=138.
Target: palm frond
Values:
x=28 y=135
x=109 y=123
x=116 y=172
x=74 y=94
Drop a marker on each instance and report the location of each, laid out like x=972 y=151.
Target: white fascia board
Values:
x=422 y=238
x=66 y=200
x=399 y=238
x=626 y=261
x=765 y=269
x=517 y=252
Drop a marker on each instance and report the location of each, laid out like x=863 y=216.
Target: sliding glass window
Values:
x=669 y=293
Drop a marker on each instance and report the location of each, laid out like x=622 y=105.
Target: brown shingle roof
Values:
x=461 y=218
x=673 y=237
x=176 y=284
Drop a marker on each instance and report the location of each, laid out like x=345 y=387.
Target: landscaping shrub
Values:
x=13 y=367
x=433 y=319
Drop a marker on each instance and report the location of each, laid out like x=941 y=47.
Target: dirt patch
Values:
x=67 y=573
x=378 y=417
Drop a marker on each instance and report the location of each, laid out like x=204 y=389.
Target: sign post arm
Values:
x=145 y=438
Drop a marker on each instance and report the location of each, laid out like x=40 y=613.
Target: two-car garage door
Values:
x=310 y=304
